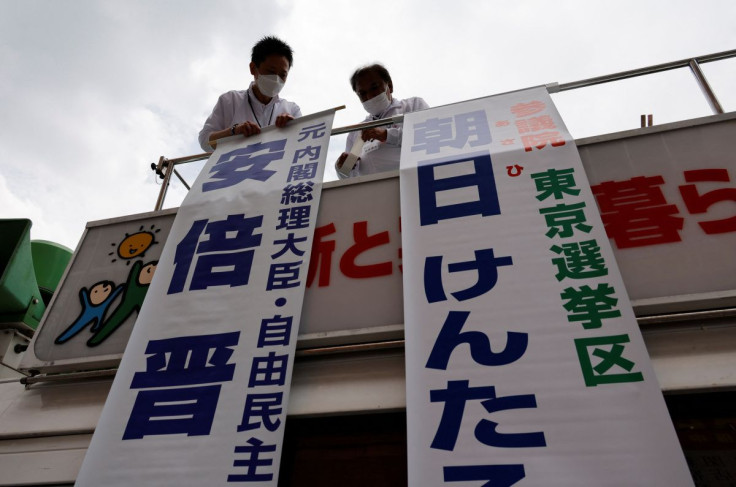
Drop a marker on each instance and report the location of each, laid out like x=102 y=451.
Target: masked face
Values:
x=270 y=75
x=269 y=84
x=374 y=93
x=377 y=105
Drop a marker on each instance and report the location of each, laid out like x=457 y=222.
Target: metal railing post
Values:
x=705 y=87
x=168 y=168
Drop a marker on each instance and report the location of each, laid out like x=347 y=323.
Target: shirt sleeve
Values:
x=297 y=112
x=215 y=122
x=394 y=134
x=289 y=107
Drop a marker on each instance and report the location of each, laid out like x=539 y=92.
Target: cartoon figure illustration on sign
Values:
x=95 y=302
x=139 y=278
x=135 y=245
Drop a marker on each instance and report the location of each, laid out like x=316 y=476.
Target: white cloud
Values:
x=92 y=92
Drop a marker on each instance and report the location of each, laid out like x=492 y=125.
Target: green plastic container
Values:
x=20 y=298
x=49 y=261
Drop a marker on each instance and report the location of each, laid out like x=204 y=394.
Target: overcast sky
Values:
x=92 y=92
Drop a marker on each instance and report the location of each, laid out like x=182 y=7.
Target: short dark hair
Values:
x=269 y=46
x=381 y=71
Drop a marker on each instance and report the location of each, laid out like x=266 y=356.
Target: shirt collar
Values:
x=254 y=99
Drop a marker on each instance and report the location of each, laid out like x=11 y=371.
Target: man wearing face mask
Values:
x=382 y=146
x=245 y=112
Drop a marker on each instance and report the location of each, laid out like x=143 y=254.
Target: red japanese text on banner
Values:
x=524 y=363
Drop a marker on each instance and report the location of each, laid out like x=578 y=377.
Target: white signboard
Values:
x=668 y=203
x=201 y=393
x=524 y=361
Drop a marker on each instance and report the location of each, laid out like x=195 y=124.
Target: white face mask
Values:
x=376 y=105
x=269 y=84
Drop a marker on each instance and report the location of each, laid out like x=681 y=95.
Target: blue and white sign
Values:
x=524 y=363
x=201 y=394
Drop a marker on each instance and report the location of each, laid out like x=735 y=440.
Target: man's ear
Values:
x=253 y=68
x=391 y=87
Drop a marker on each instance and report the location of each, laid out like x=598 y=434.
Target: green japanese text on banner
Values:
x=524 y=362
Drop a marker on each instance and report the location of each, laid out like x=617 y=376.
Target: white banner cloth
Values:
x=201 y=393
x=524 y=363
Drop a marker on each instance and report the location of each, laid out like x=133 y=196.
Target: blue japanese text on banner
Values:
x=201 y=394
x=523 y=356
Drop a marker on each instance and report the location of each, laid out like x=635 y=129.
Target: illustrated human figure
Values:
x=139 y=278
x=95 y=302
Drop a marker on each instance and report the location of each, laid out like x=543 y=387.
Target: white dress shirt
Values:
x=383 y=156
x=240 y=106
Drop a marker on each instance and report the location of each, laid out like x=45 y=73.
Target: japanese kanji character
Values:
x=245 y=163
x=561 y=219
x=699 y=203
x=591 y=306
x=535 y=124
x=283 y=275
x=225 y=236
x=598 y=374
x=432 y=134
x=297 y=193
x=311 y=153
x=289 y=245
x=582 y=260
x=541 y=139
x=433 y=179
x=555 y=182
x=363 y=243
x=294 y=218
x=526 y=109
x=189 y=410
x=486 y=265
x=275 y=331
x=262 y=410
x=302 y=172
x=635 y=212
x=268 y=371
x=321 y=257
x=451 y=336
x=198 y=359
x=475 y=125
x=315 y=131
x=254 y=449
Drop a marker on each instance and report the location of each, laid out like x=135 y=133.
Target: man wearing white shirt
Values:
x=245 y=112
x=382 y=147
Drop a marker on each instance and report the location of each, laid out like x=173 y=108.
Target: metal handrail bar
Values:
x=657 y=68
x=166 y=167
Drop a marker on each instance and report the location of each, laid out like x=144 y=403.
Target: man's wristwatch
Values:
x=232 y=129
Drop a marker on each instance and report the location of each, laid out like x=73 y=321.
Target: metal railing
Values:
x=167 y=167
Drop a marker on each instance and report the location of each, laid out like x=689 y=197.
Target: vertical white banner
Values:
x=524 y=362
x=201 y=393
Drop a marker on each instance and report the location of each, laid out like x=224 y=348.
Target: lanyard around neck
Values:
x=270 y=117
